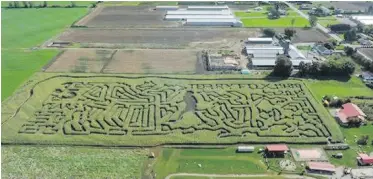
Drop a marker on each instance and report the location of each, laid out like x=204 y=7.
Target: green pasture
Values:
x=185 y=130
x=71 y=162
x=18 y=65
x=281 y=22
x=326 y=21
x=23 y=29
x=5 y=4
x=213 y=161
x=26 y=28
x=251 y=14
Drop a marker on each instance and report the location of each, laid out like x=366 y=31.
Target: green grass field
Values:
x=282 y=22
x=325 y=21
x=179 y=118
x=251 y=14
x=26 y=28
x=216 y=161
x=54 y=3
x=70 y=162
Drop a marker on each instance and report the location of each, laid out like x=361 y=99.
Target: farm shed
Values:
x=364 y=159
x=263 y=52
x=185 y=17
x=321 y=167
x=214 y=22
x=208 y=8
x=189 y=12
x=295 y=54
x=366 y=20
x=367 y=76
x=245 y=149
x=276 y=150
x=167 y=7
x=259 y=40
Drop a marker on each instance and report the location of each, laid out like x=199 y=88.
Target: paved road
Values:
x=325 y=30
x=234 y=176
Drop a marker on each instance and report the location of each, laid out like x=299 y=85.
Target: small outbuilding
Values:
x=276 y=150
x=321 y=167
x=364 y=160
x=243 y=149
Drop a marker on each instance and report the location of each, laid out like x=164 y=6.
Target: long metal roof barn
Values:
x=271 y=62
x=186 y=12
x=208 y=7
x=180 y=17
x=214 y=22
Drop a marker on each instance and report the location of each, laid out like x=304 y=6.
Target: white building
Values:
x=208 y=8
x=190 y=12
x=185 y=17
x=366 y=20
x=214 y=22
x=245 y=149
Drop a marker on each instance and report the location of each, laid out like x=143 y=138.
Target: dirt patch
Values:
x=367 y=51
x=215 y=38
x=303 y=35
x=153 y=61
x=129 y=16
x=80 y=60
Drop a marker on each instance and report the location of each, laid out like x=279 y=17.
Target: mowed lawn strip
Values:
x=26 y=28
x=212 y=161
x=281 y=22
x=70 y=162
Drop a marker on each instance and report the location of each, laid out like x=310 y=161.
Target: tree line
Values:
x=44 y=4
x=358 y=58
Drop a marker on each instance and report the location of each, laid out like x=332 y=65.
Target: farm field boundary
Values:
x=133 y=110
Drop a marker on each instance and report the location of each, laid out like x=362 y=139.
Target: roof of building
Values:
x=367 y=75
x=277 y=148
x=259 y=39
x=208 y=7
x=199 y=17
x=366 y=158
x=349 y=110
x=245 y=147
x=191 y=12
x=295 y=53
x=213 y=20
x=267 y=61
x=323 y=166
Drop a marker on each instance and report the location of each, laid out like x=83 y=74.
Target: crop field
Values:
x=71 y=162
x=150 y=110
x=281 y=22
x=202 y=38
x=128 y=61
x=155 y=61
x=352 y=5
x=128 y=16
x=305 y=35
x=81 y=60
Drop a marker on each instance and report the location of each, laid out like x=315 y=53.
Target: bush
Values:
x=269 y=32
x=363 y=140
x=340 y=27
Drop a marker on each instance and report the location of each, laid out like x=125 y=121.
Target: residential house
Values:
x=321 y=50
x=364 y=159
x=347 y=112
x=305 y=7
x=320 y=11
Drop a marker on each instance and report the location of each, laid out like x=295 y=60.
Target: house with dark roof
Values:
x=364 y=159
x=347 y=112
x=321 y=167
x=276 y=150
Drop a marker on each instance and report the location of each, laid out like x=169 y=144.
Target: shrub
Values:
x=269 y=32
x=340 y=27
x=363 y=140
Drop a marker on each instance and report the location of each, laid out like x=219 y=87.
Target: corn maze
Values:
x=157 y=110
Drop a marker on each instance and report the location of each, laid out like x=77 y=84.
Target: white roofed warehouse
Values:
x=186 y=12
x=213 y=22
x=208 y=8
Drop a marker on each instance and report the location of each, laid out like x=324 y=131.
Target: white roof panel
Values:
x=199 y=17
x=259 y=39
x=212 y=20
x=166 y=7
x=186 y=12
x=208 y=7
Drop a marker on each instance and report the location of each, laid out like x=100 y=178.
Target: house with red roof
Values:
x=364 y=159
x=276 y=150
x=349 y=111
x=321 y=167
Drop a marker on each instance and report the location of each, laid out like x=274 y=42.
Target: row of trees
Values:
x=30 y=4
x=361 y=60
x=331 y=67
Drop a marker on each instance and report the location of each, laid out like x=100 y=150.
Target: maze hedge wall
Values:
x=154 y=110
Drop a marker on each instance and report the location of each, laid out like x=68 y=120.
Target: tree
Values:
x=44 y=4
x=30 y=4
x=24 y=4
x=348 y=67
x=93 y=5
x=370 y=10
x=283 y=66
x=269 y=32
x=313 y=20
x=274 y=14
x=73 y=4
x=10 y=5
x=340 y=27
x=348 y=50
x=289 y=33
x=350 y=35
x=16 y=4
x=329 y=45
x=304 y=68
x=363 y=140
x=360 y=27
